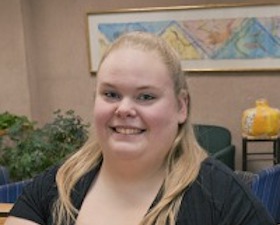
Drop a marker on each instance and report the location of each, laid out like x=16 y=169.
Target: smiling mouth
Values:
x=127 y=131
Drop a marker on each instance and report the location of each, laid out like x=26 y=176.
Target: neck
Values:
x=132 y=175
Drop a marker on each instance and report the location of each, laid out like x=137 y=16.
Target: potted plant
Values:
x=29 y=154
x=13 y=122
x=12 y=128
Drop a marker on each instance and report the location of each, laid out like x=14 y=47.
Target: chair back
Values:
x=266 y=187
x=216 y=140
x=4 y=175
x=212 y=138
x=10 y=192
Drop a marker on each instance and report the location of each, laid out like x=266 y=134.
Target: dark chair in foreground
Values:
x=266 y=186
x=217 y=141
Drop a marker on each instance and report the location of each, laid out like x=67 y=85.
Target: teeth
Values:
x=128 y=130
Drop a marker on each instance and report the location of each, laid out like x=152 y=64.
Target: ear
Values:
x=183 y=100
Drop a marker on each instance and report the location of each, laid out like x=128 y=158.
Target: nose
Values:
x=125 y=108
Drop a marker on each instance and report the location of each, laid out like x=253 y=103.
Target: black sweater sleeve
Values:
x=37 y=198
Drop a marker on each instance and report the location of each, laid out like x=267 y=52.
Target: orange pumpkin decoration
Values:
x=261 y=120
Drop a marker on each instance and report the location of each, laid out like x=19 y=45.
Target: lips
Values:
x=127 y=130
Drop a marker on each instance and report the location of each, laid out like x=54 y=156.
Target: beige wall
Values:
x=44 y=66
x=14 y=89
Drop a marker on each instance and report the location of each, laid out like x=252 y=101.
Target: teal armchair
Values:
x=216 y=140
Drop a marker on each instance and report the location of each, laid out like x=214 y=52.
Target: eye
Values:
x=146 y=97
x=112 y=95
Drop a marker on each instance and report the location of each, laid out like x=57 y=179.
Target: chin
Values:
x=126 y=153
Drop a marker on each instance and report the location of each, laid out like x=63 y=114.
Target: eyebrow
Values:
x=107 y=84
x=144 y=87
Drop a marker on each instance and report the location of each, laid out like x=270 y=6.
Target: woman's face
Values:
x=136 y=112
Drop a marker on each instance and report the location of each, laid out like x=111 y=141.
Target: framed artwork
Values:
x=212 y=38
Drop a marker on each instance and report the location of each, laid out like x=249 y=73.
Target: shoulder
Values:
x=212 y=169
x=215 y=181
x=222 y=197
x=219 y=183
x=36 y=200
x=48 y=175
x=44 y=183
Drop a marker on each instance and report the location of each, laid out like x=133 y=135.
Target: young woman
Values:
x=142 y=165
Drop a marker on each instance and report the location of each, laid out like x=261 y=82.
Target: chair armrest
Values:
x=227 y=156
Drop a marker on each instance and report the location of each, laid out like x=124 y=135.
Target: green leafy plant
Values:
x=13 y=128
x=14 y=122
x=31 y=153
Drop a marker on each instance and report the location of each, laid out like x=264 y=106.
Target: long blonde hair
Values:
x=182 y=163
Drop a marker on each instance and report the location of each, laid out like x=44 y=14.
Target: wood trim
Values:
x=4 y=211
x=5 y=208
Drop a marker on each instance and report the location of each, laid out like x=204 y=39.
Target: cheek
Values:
x=101 y=113
x=163 y=117
x=163 y=128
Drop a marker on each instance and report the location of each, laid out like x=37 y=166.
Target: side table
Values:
x=275 y=151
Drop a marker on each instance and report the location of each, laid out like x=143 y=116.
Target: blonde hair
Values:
x=182 y=163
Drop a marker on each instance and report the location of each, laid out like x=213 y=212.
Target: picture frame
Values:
x=236 y=37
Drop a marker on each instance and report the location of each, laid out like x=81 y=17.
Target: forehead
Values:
x=130 y=64
x=126 y=53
